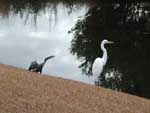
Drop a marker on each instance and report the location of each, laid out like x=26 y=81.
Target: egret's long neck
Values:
x=104 y=57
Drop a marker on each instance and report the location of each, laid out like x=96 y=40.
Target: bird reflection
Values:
x=35 y=67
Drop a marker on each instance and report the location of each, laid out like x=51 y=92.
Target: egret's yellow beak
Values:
x=110 y=42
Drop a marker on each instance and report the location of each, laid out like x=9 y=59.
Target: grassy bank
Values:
x=25 y=92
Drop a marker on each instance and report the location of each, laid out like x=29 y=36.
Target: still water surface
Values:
x=33 y=30
x=22 y=41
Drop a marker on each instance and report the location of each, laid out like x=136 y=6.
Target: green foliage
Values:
x=127 y=24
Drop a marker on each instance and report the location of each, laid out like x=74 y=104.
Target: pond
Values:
x=73 y=33
x=23 y=41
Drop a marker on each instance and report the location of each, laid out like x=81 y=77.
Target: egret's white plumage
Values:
x=97 y=68
x=99 y=63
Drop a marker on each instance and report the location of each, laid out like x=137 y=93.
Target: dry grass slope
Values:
x=25 y=92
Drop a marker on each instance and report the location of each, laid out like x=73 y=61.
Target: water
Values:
x=23 y=41
x=33 y=31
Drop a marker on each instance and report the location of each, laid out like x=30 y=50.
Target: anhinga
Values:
x=35 y=67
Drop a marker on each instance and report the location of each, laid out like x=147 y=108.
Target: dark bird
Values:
x=35 y=67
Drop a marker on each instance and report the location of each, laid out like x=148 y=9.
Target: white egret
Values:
x=99 y=63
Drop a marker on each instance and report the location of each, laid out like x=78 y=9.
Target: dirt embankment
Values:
x=26 y=92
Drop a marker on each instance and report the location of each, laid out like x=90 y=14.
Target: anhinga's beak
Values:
x=48 y=58
x=51 y=56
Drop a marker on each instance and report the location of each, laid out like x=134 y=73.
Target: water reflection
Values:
x=21 y=43
x=127 y=24
x=28 y=8
x=32 y=30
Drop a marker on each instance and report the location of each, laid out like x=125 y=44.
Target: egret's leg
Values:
x=96 y=83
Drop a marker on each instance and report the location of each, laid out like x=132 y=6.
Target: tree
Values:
x=127 y=24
